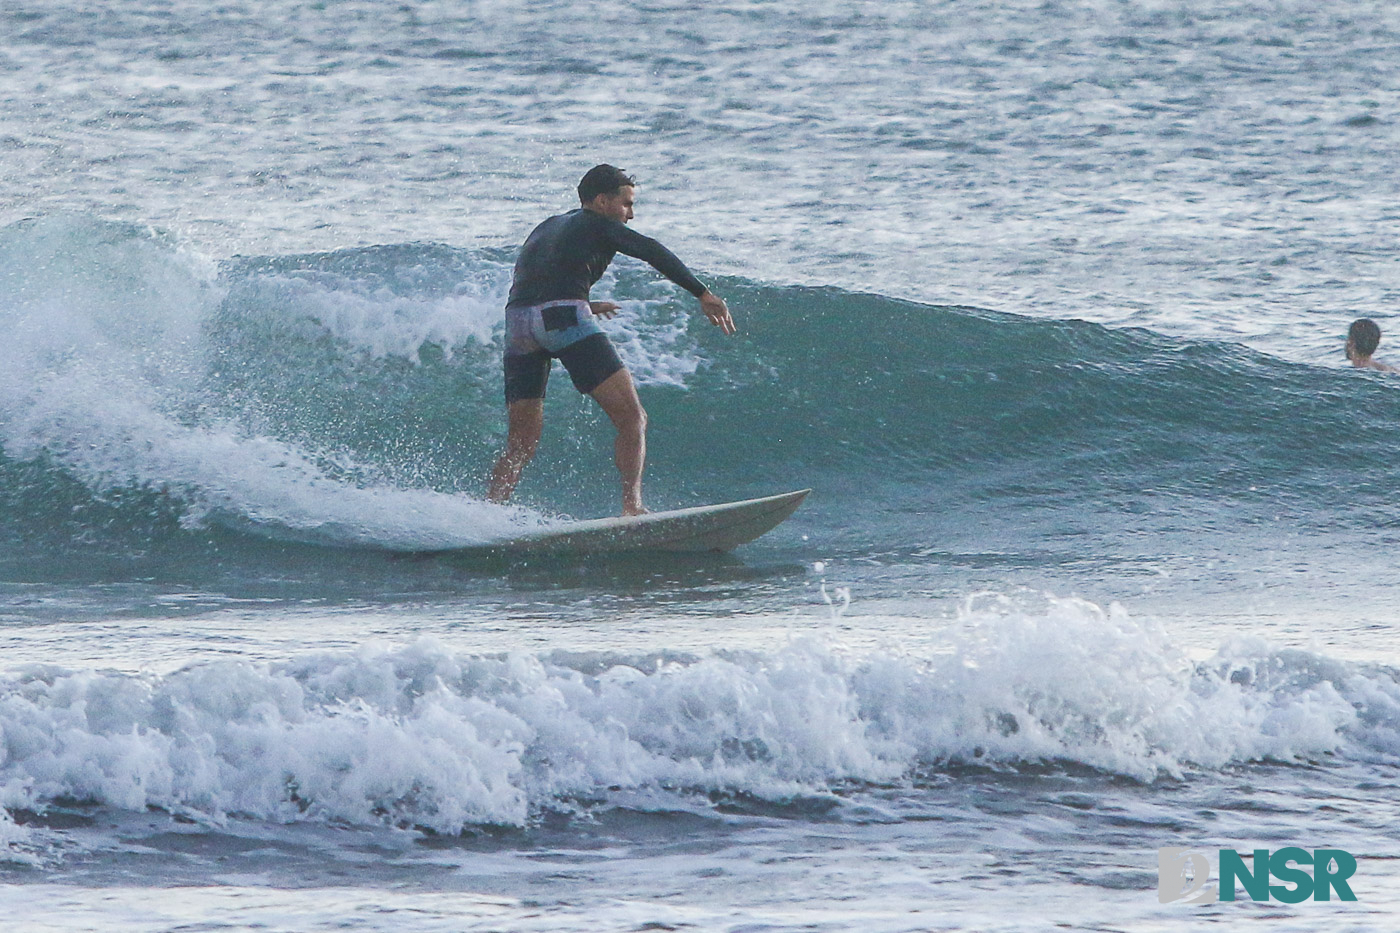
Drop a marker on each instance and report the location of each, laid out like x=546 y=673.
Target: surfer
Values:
x=1362 y=339
x=549 y=316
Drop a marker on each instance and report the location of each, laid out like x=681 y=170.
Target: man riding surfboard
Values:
x=549 y=316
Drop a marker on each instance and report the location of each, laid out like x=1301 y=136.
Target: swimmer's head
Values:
x=1362 y=338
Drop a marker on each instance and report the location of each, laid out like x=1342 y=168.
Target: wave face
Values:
x=153 y=401
x=425 y=736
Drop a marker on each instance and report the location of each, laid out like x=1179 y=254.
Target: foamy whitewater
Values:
x=1044 y=301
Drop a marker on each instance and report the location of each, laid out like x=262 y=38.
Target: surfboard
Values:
x=702 y=528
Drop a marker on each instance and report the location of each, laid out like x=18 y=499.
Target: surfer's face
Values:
x=617 y=205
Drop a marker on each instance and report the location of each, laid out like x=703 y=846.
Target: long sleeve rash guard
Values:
x=565 y=255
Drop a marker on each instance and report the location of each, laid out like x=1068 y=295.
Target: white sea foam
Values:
x=368 y=316
x=420 y=735
x=652 y=340
x=1099 y=687
x=101 y=370
x=651 y=333
x=15 y=842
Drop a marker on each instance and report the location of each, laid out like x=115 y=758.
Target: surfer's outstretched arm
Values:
x=717 y=311
x=714 y=307
x=650 y=251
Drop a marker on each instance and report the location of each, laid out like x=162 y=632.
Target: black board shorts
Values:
x=564 y=330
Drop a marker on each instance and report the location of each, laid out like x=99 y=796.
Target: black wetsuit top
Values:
x=567 y=253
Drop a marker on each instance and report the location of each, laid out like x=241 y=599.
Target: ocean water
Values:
x=1045 y=302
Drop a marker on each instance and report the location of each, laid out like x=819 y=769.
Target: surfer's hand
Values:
x=717 y=311
x=604 y=309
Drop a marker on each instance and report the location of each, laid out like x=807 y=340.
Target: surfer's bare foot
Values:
x=630 y=510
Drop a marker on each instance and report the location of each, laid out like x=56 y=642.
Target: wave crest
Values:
x=425 y=736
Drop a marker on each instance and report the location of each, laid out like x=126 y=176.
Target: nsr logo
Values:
x=1185 y=874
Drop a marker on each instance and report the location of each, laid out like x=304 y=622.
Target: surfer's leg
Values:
x=618 y=396
x=526 y=422
x=527 y=375
x=596 y=370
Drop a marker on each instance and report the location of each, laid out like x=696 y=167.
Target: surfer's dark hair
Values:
x=1365 y=336
x=603 y=179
